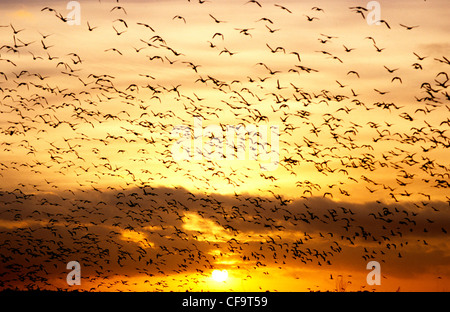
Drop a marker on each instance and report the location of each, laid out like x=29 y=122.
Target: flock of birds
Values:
x=87 y=172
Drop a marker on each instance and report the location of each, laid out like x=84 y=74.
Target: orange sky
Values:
x=87 y=171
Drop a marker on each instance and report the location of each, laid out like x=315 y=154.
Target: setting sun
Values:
x=219 y=276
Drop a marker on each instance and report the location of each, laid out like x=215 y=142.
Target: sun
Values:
x=219 y=276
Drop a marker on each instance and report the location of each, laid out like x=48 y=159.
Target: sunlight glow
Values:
x=219 y=276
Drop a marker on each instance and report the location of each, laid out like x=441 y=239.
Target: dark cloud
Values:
x=166 y=231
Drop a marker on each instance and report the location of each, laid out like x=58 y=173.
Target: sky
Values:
x=351 y=160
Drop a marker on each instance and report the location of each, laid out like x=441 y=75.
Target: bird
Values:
x=48 y=9
x=90 y=28
x=218 y=34
x=390 y=70
x=146 y=25
x=45 y=47
x=381 y=92
x=122 y=21
x=180 y=17
x=255 y=2
x=353 y=72
x=384 y=22
x=408 y=27
x=119 y=8
x=310 y=19
x=296 y=54
x=317 y=9
x=115 y=50
x=266 y=20
x=348 y=49
x=378 y=49
x=216 y=20
x=276 y=49
x=15 y=32
x=359 y=10
x=283 y=8
x=421 y=58
x=118 y=33
x=272 y=30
